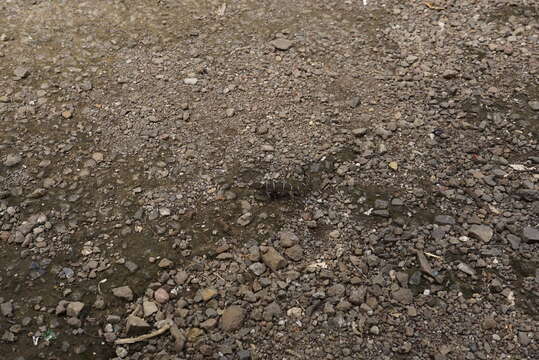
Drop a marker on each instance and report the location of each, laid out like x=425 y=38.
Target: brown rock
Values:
x=232 y=318
x=273 y=259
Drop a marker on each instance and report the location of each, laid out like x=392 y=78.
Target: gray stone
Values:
x=190 y=81
x=282 y=44
x=257 y=268
x=121 y=352
x=288 y=239
x=273 y=259
x=337 y=290
x=514 y=241
x=354 y=102
x=131 y=266
x=271 y=311
x=481 y=232
x=523 y=338
x=530 y=234
x=123 y=292
x=244 y=355
x=534 y=105
x=295 y=253
x=358 y=296
x=149 y=308
x=74 y=308
x=12 y=160
x=232 y=318
x=6 y=309
x=181 y=277
x=21 y=72
x=403 y=296
x=444 y=220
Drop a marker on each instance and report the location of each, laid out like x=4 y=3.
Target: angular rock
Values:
x=530 y=234
x=208 y=293
x=136 y=325
x=12 y=160
x=403 y=296
x=295 y=253
x=181 y=277
x=74 y=308
x=21 y=72
x=282 y=44
x=232 y=318
x=273 y=259
x=123 y=292
x=149 y=308
x=257 y=268
x=288 y=239
x=165 y=263
x=6 y=309
x=444 y=220
x=481 y=232
x=271 y=311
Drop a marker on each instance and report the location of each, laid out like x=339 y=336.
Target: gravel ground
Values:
x=269 y=179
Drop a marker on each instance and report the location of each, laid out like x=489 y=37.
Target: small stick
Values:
x=143 y=337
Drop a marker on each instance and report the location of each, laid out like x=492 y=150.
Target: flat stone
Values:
x=514 y=241
x=190 y=81
x=534 y=105
x=6 y=309
x=523 y=338
x=481 y=232
x=489 y=323
x=244 y=355
x=530 y=234
x=123 y=292
x=273 y=259
x=165 y=263
x=287 y=239
x=209 y=324
x=354 y=102
x=149 y=308
x=295 y=253
x=21 y=72
x=181 y=277
x=131 y=266
x=403 y=296
x=444 y=220
x=74 y=308
x=271 y=311
x=282 y=44
x=194 y=333
x=232 y=318
x=12 y=160
x=136 y=325
x=257 y=268
x=208 y=293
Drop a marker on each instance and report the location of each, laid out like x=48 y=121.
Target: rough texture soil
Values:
x=269 y=179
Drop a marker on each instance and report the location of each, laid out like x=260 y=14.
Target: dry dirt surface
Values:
x=241 y=179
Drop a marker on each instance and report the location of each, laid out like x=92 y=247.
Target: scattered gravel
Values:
x=262 y=180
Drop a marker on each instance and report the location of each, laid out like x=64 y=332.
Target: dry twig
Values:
x=143 y=337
